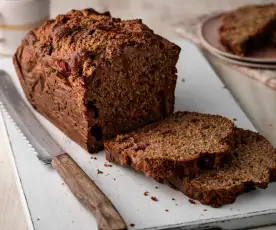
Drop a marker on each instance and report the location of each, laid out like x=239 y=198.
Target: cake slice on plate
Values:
x=247 y=28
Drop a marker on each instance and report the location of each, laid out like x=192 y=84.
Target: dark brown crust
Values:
x=71 y=132
x=161 y=167
x=90 y=75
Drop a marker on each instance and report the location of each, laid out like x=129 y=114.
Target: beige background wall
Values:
x=160 y=15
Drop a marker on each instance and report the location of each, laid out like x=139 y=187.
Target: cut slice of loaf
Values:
x=252 y=165
x=179 y=145
x=248 y=28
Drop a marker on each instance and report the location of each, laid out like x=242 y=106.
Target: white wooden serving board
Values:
x=49 y=203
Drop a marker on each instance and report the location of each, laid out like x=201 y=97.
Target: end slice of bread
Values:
x=178 y=146
x=248 y=28
x=253 y=164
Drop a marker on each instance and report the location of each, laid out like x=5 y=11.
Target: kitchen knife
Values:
x=48 y=151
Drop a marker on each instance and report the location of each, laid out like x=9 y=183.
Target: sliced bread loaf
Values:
x=252 y=165
x=177 y=146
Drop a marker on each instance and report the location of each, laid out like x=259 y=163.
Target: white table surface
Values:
x=194 y=72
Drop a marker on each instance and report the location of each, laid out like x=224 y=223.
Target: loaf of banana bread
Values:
x=95 y=76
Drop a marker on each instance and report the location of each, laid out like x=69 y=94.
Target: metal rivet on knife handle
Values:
x=88 y=193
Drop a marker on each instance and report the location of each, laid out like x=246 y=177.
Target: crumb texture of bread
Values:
x=95 y=76
x=248 y=27
x=253 y=164
x=178 y=146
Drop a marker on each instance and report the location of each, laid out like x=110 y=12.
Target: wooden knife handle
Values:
x=88 y=193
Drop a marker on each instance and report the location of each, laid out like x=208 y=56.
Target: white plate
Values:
x=209 y=36
x=50 y=204
x=246 y=64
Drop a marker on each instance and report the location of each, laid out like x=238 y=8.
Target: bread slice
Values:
x=247 y=28
x=179 y=145
x=253 y=165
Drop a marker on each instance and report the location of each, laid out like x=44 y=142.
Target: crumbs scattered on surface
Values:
x=95 y=158
x=62 y=183
x=269 y=125
x=176 y=204
x=154 y=198
x=146 y=193
x=182 y=79
x=99 y=171
x=132 y=225
x=38 y=219
x=114 y=178
x=166 y=210
x=205 y=210
x=173 y=199
x=234 y=119
x=156 y=187
x=107 y=165
x=192 y=201
x=73 y=221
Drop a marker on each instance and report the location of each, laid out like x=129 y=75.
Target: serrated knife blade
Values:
x=11 y=101
x=49 y=151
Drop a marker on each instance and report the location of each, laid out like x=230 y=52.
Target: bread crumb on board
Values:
x=99 y=171
x=192 y=201
x=107 y=165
